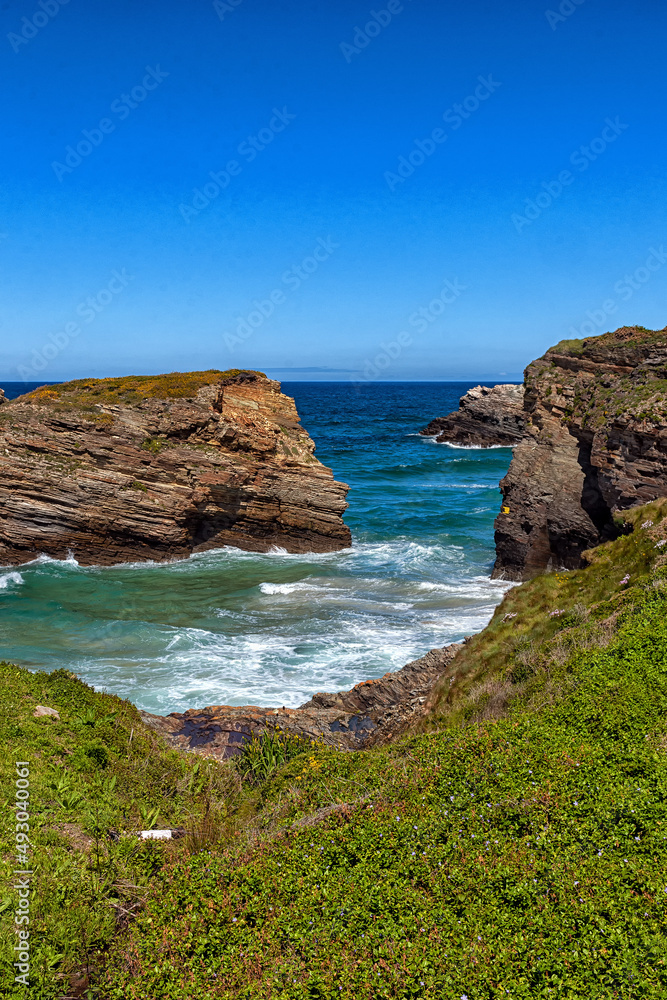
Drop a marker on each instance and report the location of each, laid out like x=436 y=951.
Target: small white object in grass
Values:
x=155 y=834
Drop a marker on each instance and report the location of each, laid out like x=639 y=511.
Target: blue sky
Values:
x=535 y=208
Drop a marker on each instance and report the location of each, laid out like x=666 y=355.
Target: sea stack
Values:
x=159 y=467
x=595 y=444
x=487 y=416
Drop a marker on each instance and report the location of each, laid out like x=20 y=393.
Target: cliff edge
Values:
x=595 y=444
x=158 y=467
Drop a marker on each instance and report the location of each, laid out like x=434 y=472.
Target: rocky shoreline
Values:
x=156 y=468
x=487 y=416
x=370 y=713
x=589 y=429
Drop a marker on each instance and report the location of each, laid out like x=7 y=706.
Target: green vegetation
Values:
x=154 y=445
x=131 y=389
x=575 y=348
x=263 y=755
x=95 y=775
x=518 y=848
x=630 y=340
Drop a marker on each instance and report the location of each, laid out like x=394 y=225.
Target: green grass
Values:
x=524 y=638
x=130 y=389
x=518 y=849
x=96 y=770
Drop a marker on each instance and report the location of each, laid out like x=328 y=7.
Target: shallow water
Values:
x=231 y=627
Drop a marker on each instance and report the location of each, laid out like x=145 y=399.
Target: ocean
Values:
x=237 y=628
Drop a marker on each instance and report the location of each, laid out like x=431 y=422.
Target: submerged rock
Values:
x=595 y=445
x=138 y=468
x=487 y=416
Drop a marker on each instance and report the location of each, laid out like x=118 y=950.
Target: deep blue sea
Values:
x=232 y=627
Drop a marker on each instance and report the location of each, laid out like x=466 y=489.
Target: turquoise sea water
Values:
x=231 y=627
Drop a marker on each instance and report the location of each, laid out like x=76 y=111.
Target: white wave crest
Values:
x=471 y=447
x=284 y=588
x=10 y=578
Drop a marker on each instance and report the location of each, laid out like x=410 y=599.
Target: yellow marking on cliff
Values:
x=505 y=510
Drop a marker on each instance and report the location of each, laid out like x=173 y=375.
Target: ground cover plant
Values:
x=96 y=776
x=517 y=847
x=522 y=856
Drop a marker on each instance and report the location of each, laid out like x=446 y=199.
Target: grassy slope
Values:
x=97 y=769
x=518 y=849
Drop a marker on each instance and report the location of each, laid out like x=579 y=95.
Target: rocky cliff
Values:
x=486 y=416
x=116 y=470
x=595 y=444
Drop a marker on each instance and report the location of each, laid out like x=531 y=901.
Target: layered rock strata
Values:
x=369 y=713
x=595 y=444
x=487 y=416
x=128 y=469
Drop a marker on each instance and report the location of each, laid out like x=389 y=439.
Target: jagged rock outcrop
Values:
x=487 y=416
x=117 y=470
x=595 y=444
x=370 y=712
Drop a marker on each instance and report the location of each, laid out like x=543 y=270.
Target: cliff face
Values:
x=115 y=470
x=595 y=444
x=486 y=416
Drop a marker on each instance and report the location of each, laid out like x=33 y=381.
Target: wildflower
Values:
x=626 y=579
x=556 y=613
x=663 y=541
x=647 y=524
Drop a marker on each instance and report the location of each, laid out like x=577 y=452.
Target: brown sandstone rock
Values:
x=486 y=416
x=116 y=470
x=595 y=445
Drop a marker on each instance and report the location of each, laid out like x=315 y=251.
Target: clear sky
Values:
x=403 y=190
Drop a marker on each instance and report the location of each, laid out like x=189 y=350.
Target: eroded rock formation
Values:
x=595 y=444
x=116 y=470
x=370 y=712
x=486 y=416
